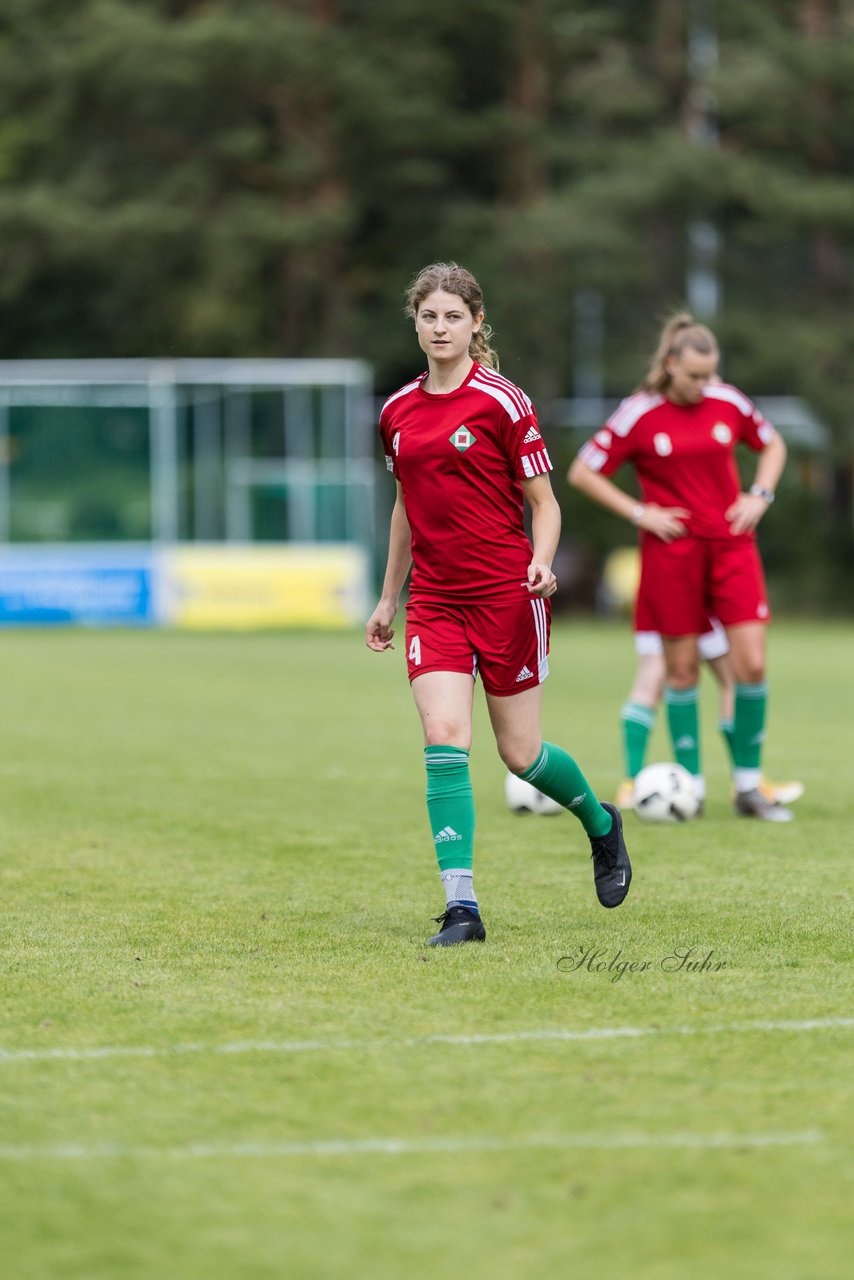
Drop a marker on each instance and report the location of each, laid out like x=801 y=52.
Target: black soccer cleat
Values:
x=612 y=871
x=459 y=924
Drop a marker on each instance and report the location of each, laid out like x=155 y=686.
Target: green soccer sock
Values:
x=450 y=805
x=751 y=703
x=683 y=720
x=556 y=774
x=637 y=722
x=727 y=728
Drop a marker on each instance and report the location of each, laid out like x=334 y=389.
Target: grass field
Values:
x=225 y=1052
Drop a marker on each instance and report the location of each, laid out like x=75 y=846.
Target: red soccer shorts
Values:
x=506 y=640
x=684 y=581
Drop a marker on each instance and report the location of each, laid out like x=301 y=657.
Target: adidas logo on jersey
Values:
x=524 y=674
x=445 y=835
x=533 y=434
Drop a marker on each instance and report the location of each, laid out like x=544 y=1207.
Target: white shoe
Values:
x=781 y=792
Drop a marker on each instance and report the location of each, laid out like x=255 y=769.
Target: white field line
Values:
x=412 y=1042
x=409 y=1146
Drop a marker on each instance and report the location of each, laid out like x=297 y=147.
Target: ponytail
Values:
x=679 y=334
x=480 y=350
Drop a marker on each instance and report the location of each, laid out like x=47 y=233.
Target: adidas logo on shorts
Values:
x=524 y=674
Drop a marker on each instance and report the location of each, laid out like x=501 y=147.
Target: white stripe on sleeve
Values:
x=593 y=456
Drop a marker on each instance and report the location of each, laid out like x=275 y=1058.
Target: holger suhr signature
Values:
x=681 y=959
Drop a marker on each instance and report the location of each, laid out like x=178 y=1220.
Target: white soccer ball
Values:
x=665 y=793
x=521 y=797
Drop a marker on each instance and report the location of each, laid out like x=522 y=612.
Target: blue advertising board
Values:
x=94 y=586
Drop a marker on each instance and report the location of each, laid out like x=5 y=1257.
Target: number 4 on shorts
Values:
x=415 y=650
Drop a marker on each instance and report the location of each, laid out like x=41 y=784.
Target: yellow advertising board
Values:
x=620 y=578
x=241 y=587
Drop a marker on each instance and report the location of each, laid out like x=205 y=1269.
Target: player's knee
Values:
x=446 y=733
x=752 y=671
x=684 y=675
x=519 y=756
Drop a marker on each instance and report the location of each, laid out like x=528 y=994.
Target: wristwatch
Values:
x=759 y=492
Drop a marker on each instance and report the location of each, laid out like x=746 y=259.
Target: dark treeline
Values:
x=262 y=177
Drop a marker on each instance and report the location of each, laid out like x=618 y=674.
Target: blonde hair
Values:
x=453 y=278
x=679 y=334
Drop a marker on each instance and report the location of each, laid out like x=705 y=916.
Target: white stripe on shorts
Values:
x=538 y=605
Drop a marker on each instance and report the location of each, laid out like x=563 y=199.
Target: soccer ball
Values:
x=521 y=797
x=665 y=793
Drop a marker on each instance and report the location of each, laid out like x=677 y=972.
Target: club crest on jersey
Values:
x=722 y=433
x=662 y=444
x=462 y=439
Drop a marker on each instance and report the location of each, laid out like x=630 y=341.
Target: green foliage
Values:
x=262 y=177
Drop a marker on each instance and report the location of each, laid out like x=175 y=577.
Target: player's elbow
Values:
x=777 y=448
x=783 y=449
x=577 y=474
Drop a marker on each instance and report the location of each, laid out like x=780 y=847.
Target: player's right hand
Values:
x=665 y=522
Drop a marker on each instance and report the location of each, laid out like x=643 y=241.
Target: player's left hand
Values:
x=541 y=580
x=746 y=512
x=378 y=628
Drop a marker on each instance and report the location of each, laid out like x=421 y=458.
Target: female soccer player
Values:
x=637 y=714
x=698 y=546
x=465 y=449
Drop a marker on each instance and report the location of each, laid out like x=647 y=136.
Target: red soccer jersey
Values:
x=460 y=459
x=683 y=454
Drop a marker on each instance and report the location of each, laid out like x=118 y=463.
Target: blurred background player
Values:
x=466 y=452
x=637 y=715
x=698 y=545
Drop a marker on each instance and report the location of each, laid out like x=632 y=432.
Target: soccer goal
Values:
x=190 y=454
